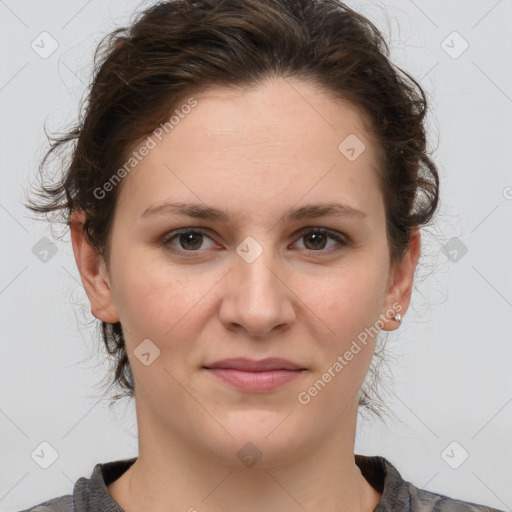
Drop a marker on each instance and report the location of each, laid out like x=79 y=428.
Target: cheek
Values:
x=350 y=307
x=150 y=299
x=352 y=300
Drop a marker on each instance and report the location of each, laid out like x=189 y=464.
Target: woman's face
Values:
x=255 y=282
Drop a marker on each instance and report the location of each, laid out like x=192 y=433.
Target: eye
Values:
x=192 y=239
x=189 y=239
x=316 y=239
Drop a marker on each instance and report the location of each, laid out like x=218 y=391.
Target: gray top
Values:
x=91 y=494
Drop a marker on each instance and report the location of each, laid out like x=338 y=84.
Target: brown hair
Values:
x=142 y=72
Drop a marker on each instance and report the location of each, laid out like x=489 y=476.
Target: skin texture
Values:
x=254 y=154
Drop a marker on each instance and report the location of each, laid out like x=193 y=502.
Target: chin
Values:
x=260 y=439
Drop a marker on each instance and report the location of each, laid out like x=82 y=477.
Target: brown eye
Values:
x=316 y=240
x=189 y=240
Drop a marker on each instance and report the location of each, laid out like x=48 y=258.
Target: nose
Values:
x=257 y=297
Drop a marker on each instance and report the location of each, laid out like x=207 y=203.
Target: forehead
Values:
x=278 y=112
x=279 y=140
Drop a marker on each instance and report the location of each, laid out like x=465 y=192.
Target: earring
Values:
x=398 y=318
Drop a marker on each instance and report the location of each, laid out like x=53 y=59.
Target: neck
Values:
x=173 y=476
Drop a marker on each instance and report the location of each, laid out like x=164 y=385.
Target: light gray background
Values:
x=451 y=359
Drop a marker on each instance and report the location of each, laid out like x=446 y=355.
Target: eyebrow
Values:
x=202 y=211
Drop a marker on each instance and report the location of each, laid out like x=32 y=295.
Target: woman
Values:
x=245 y=200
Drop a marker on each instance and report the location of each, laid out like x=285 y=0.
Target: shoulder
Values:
x=399 y=495
x=89 y=494
x=420 y=500
x=60 y=504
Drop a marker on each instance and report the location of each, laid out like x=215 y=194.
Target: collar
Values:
x=92 y=494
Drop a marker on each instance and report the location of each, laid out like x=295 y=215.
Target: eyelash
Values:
x=338 y=237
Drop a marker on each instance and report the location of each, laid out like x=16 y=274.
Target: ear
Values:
x=93 y=272
x=401 y=282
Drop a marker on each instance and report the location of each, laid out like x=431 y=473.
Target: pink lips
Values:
x=255 y=376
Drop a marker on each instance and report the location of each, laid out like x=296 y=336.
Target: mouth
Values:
x=255 y=376
x=250 y=365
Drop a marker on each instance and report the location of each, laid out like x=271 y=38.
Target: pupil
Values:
x=315 y=236
x=189 y=239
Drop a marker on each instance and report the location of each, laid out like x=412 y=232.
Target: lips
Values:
x=249 y=365
x=251 y=376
